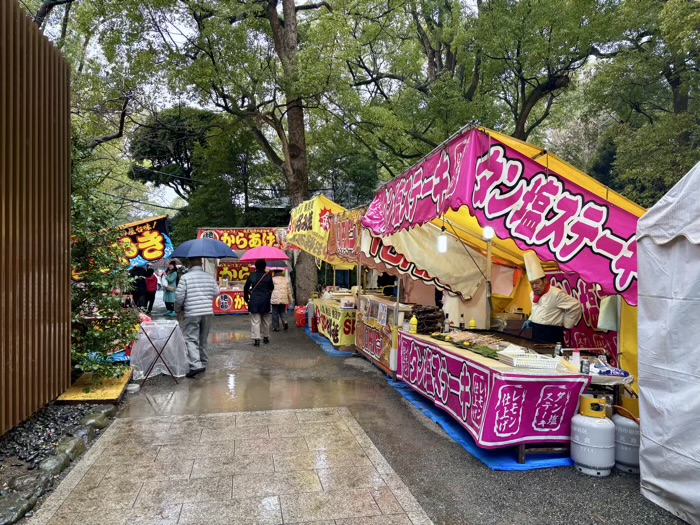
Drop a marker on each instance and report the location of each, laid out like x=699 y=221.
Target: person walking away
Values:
x=151 y=289
x=257 y=293
x=194 y=297
x=170 y=280
x=281 y=297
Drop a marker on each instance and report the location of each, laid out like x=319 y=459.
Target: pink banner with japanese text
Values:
x=498 y=409
x=586 y=333
x=537 y=208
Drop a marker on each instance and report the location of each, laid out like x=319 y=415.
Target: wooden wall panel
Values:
x=35 y=150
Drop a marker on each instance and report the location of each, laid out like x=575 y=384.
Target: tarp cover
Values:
x=174 y=352
x=669 y=357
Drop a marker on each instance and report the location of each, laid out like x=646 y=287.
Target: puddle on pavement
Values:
x=227 y=337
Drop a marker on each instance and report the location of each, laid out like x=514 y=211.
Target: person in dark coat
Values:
x=257 y=293
x=138 y=275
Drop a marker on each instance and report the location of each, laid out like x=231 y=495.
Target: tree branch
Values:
x=122 y=119
x=309 y=7
x=46 y=8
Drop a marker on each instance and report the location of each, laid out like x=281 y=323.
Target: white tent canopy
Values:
x=669 y=349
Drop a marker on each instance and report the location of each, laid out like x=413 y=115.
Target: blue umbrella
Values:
x=207 y=248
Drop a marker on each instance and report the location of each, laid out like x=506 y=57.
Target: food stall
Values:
x=482 y=200
x=377 y=318
x=309 y=229
x=498 y=404
x=232 y=275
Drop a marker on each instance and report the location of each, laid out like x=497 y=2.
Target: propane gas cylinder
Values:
x=626 y=444
x=593 y=439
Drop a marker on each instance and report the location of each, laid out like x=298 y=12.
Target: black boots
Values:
x=256 y=342
x=286 y=326
x=266 y=340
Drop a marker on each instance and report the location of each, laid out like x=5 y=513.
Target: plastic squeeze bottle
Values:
x=413 y=325
x=576 y=358
x=472 y=324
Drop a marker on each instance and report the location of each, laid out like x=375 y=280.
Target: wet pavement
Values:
x=289 y=374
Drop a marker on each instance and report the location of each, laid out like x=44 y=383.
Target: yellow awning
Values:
x=309 y=228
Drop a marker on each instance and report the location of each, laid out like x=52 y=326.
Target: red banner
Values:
x=248 y=238
x=586 y=333
x=230 y=303
x=345 y=235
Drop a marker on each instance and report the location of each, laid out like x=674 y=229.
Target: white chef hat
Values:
x=533 y=267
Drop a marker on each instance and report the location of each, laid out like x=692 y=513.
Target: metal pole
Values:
x=398 y=295
x=488 y=285
x=359 y=277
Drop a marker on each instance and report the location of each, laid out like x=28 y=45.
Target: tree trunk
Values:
x=296 y=168
x=64 y=26
x=553 y=84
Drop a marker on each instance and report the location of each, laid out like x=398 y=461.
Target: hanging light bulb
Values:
x=442 y=242
x=489 y=233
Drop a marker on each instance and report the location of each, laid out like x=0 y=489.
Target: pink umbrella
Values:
x=267 y=253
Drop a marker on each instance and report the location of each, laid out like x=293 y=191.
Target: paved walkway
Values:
x=239 y=445
x=269 y=467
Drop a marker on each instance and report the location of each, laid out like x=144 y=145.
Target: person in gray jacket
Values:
x=194 y=297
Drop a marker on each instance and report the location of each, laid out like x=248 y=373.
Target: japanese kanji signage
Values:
x=310 y=226
x=230 y=303
x=247 y=238
x=146 y=241
x=497 y=408
x=373 y=340
x=345 y=235
x=234 y=271
x=586 y=333
x=375 y=250
x=336 y=324
x=522 y=200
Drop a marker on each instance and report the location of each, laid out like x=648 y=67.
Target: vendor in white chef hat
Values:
x=552 y=309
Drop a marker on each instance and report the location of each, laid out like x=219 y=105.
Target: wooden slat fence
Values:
x=35 y=153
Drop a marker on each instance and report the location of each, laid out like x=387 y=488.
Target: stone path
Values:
x=269 y=467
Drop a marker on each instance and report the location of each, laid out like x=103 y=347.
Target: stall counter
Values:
x=230 y=301
x=334 y=322
x=375 y=328
x=499 y=405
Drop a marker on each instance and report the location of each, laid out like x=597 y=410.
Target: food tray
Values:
x=529 y=361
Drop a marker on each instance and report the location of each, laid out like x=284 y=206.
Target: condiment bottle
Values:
x=557 y=349
x=576 y=358
x=413 y=325
x=472 y=324
x=585 y=367
x=461 y=322
x=446 y=327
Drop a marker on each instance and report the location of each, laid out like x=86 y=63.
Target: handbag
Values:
x=256 y=285
x=165 y=284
